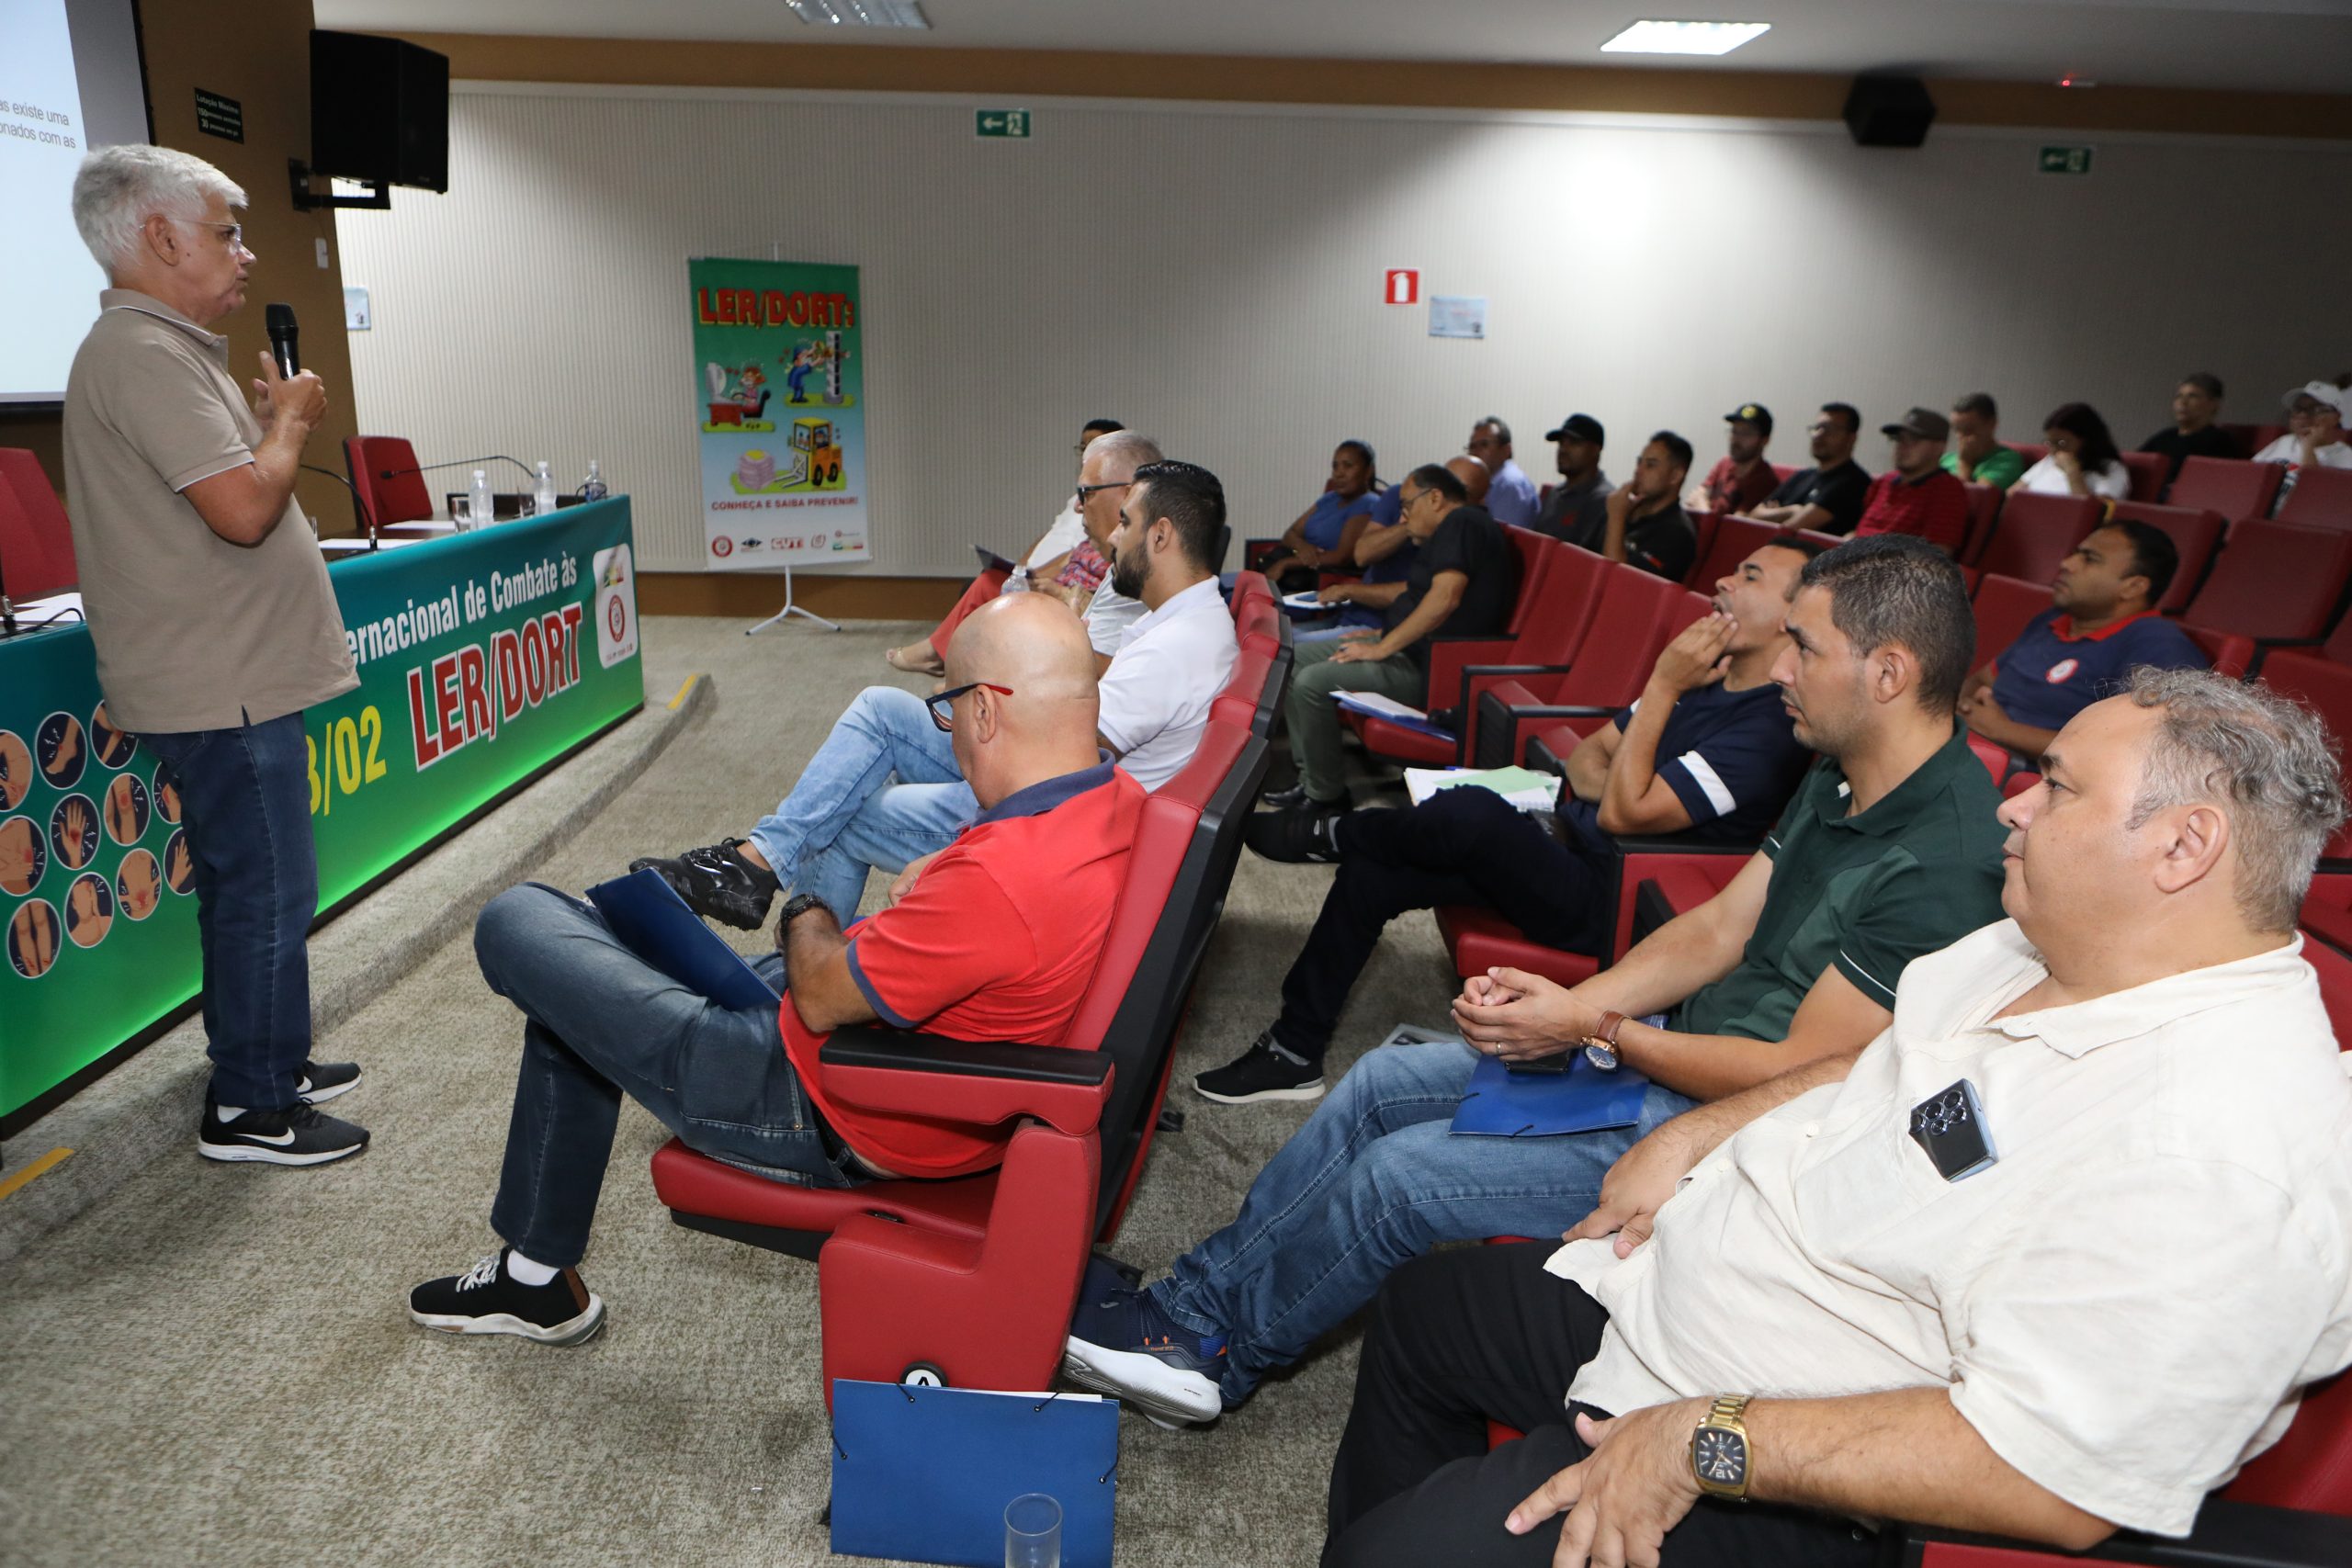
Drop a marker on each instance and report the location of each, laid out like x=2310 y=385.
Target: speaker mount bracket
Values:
x=378 y=199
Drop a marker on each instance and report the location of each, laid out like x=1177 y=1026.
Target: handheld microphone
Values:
x=282 y=332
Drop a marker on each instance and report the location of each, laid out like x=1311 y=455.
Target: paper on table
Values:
x=1523 y=787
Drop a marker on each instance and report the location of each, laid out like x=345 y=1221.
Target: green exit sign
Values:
x=1012 y=123
x=2066 y=159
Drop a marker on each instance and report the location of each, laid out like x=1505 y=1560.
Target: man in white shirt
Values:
x=2315 y=435
x=2051 y=1257
x=884 y=791
x=1511 y=496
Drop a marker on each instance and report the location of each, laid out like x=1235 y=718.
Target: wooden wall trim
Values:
x=1736 y=95
x=753 y=595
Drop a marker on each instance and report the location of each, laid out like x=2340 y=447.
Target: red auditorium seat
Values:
x=1733 y=540
x=2322 y=497
x=2035 y=533
x=2327 y=912
x=2031 y=451
x=2237 y=490
x=2253 y=438
x=1639 y=613
x=2003 y=606
x=35 y=541
x=1783 y=472
x=2147 y=471
x=381 y=479
x=2231 y=654
x=1983 y=509
x=2196 y=533
x=2274 y=581
x=1656 y=880
x=974 y=1276
x=2325 y=687
x=1827 y=541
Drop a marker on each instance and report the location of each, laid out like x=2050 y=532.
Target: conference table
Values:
x=485 y=658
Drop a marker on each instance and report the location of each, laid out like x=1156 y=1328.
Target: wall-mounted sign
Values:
x=2065 y=161
x=1401 y=285
x=1457 y=315
x=1011 y=123
x=216 y=116
x=355 y=307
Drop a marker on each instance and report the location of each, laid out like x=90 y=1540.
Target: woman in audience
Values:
x=2083 y=459
x=1326 y=533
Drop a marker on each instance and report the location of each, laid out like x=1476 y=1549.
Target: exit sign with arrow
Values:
x=1011 y=123
x=2066 y=159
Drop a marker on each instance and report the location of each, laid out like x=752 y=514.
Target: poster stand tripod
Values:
x=833 y=397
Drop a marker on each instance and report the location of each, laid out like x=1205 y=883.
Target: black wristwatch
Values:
x=799 y=904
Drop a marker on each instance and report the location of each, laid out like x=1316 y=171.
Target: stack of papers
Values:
x=1523 y=787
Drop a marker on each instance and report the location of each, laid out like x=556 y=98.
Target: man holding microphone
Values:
x=214 y=624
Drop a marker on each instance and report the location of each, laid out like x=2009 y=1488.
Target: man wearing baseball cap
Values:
x=1915 y=496
x=2317 y=412
x=1741 y=478
x=1578 y=509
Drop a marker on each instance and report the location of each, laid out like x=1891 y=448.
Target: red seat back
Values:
x=35 y=542
x=2274 y=580
x=1736 y=538
x=1236 y=705
x=1984 y=507
x=2322 y=497
x=1258 y=624
x=2147 y=471
x=2253 y=438
x=2325 y=688
x=1636 y=617
x=2234 y=488
x=388 y=492
x=2035 y=533
x=2310 y=1469
x=1997 y=758
x=1571 y=586
x=1534 y=551
x=2003 y=606
x=2229 y=654
x=2196 y=533
x=2031 y=451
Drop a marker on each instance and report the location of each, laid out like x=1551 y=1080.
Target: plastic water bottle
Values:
x=1018 y=582
x=592 y=487
x=543 y=493
x=484 y=506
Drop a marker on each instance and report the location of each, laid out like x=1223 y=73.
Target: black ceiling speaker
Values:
x=380 y=110
x=1889 y=111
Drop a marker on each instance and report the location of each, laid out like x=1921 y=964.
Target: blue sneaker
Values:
x=1121 y=1343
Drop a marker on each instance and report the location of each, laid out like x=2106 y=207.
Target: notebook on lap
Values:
x=654 y=923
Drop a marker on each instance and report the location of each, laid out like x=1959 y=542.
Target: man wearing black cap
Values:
x=1578 y=509
x=1741 y=478
x=1827 y=496
x=1916 y=496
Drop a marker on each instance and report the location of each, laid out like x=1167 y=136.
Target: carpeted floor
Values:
x=213 y=1363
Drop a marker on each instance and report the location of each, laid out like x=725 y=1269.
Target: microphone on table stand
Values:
x=367 y=517
x=459 y=463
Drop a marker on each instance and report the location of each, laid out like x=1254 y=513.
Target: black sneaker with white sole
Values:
x=486 y=1299
x=321 y=1081
x=1308 y=834
x=300 y=1134
x=717 y=882
x=1265 y=1071
x=1122 y=1344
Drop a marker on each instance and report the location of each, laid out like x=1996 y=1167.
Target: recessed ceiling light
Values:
x=1684 y=38
x=860 y=13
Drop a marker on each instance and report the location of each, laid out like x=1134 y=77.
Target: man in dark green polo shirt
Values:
x=1889 y=849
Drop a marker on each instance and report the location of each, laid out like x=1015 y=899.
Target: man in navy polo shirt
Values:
x=2101 y=623
x=1706 y=753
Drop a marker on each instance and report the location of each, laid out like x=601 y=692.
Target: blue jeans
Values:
x=1373 y=1178
x=245 y=807
x=601 y=1023
x=847 y=815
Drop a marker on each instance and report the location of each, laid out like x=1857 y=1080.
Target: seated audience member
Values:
x=1705 y=753
x=1916 y=496
x=996 y=940
x=1110 y=614
x=2101 y=623
x=2082 y=461
x=2315 y=416
x=1977 y=456
x=2167 y=1145
x=1889 y=849
x=1578 y=509
x=887 y=788
x=1826 y=498
x=1071 y=568
x=1642 y=524
x=1385 y=553
x=2196 y=404
x=1510 y=494
x=1463 y=581
x=1326 y=533
x=1741 y=477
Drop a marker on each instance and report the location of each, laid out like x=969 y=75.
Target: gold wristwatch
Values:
x=1719 y=1449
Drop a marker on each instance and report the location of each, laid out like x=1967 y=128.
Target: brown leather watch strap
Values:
x=1606 y=1033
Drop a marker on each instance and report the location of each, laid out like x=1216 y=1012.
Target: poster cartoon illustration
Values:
x=783 y=474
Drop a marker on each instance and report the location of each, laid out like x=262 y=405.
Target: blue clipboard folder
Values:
x=1500 y=1103
x=1396 y=712
x=654 y=923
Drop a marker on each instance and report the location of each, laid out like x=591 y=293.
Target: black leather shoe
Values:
x=717 y=882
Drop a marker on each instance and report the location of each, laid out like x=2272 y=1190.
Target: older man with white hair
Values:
x=213 y=620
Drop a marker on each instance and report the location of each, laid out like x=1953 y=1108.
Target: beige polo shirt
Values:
x=192 y=632
x=2123 y=1306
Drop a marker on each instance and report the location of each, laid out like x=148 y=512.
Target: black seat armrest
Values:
x=2228 y=1535
x=862 y=1047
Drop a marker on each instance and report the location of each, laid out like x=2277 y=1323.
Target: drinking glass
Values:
x=1033 y=1532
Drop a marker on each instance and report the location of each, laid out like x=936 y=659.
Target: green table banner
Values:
x=484 y=658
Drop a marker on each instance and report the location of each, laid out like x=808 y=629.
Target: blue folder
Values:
x=923 y=1475
x=654 y=923
x=1500 y=1103
x=1347 y=700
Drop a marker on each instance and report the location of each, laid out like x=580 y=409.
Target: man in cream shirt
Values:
x=2090 y=1330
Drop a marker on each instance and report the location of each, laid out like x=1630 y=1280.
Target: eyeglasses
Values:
x=231 y=234
x=943 y=704
x=1085 y=491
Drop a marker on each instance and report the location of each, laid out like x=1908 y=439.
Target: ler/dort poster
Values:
x=780 y=411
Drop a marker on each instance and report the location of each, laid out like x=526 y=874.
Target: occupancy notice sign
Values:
x=780 y=406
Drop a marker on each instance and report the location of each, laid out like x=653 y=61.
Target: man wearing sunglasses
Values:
x=997 y=941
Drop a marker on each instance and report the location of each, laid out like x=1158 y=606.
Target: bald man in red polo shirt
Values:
x=994 y=939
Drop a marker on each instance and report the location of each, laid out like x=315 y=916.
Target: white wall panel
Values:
x=1212 y=275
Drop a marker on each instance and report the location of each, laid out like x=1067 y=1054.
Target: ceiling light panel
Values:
x=860 y=13
x=1684 y=38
